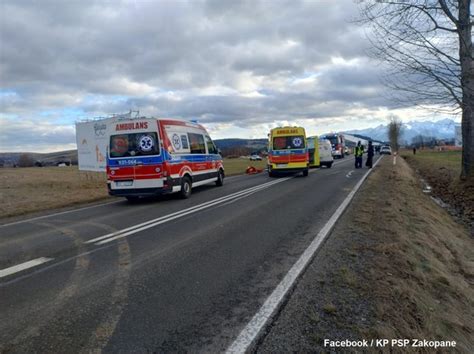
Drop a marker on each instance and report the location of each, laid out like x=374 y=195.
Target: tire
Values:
x=305 y=173
x=186 y=187
x=220 y=178
x=329 y=165
x=132 y=199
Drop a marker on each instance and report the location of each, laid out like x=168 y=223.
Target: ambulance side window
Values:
x=211 y=148
x=184 y=141
x=196 y=142
x=178 y=142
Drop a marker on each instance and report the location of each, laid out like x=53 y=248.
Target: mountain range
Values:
x=442 y=129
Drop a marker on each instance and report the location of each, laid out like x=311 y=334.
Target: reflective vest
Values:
x=359 y=151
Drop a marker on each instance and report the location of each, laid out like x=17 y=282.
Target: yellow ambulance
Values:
x=287 y=151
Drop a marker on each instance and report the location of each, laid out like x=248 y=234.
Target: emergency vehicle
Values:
x=313 y=151
x=150 y=156
x=338 y=144
x=287 y=151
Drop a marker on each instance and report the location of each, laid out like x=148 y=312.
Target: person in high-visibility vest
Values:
x=359 y=151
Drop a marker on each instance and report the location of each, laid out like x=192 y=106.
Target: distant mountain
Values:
x=442 y=129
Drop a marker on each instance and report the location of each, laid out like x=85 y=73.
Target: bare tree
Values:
x=394 y=133
x=26 y=160
x=420 y=141
x=427 y=45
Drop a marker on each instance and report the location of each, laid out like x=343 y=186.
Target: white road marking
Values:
x=103 y=204
x=166 y=218
x=21 y=277
x=349 y=175
x=19 y=267
x=172 y=214
x=252 y=330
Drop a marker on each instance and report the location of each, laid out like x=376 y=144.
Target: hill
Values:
x=442 y=129
x=46 y=159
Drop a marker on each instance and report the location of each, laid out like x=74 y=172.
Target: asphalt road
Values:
x=187 y=278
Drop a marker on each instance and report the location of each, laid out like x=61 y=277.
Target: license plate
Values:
x=124 y=183
x=282 y=164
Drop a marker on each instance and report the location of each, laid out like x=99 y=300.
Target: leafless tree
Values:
x=427 y=46
x=25 y=160
x=421 y=141
x=394 y=133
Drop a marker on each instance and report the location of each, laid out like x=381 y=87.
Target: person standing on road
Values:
x=370 y=155
x=359 y=151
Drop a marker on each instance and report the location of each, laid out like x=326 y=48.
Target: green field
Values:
x=435 y=159
x=238 y=166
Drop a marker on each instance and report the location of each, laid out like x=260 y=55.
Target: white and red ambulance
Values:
x=150 y=156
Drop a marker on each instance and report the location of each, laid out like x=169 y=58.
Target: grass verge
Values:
x=423 y=263
x=27 y=190
x=238 y=166
x=395 y=266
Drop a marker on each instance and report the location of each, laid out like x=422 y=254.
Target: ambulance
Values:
x=287 y=151
x=152 y=156
x=313 y=151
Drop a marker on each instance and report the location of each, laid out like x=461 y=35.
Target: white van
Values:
x=325 y=153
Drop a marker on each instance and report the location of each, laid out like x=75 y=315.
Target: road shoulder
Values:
x=395 y=266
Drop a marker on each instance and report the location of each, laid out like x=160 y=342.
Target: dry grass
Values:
x=442 y=169
x=26 y=190
x=330 y=308
x=238 y=166
x=423 y=271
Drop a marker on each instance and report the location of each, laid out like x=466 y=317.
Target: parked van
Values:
x=287 y=151
x=150 y=156
x=313 y=151
x=325 y=153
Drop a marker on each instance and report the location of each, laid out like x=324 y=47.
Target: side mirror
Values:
x=219 y=152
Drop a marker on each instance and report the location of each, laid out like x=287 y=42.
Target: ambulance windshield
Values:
x=288 y=142
x=135 y=144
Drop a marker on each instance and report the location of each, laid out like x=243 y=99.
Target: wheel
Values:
x=329 y=165
x=305 y=173
x=132 y=199
x=220 y=178
x=186 y=186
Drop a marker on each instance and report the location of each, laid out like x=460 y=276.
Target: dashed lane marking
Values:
x=23 y=266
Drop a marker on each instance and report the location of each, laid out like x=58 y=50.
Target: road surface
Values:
x=162 y=275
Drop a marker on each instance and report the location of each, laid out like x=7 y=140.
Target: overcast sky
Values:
x=238 y=67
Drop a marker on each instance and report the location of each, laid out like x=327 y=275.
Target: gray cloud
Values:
x=239 y=62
